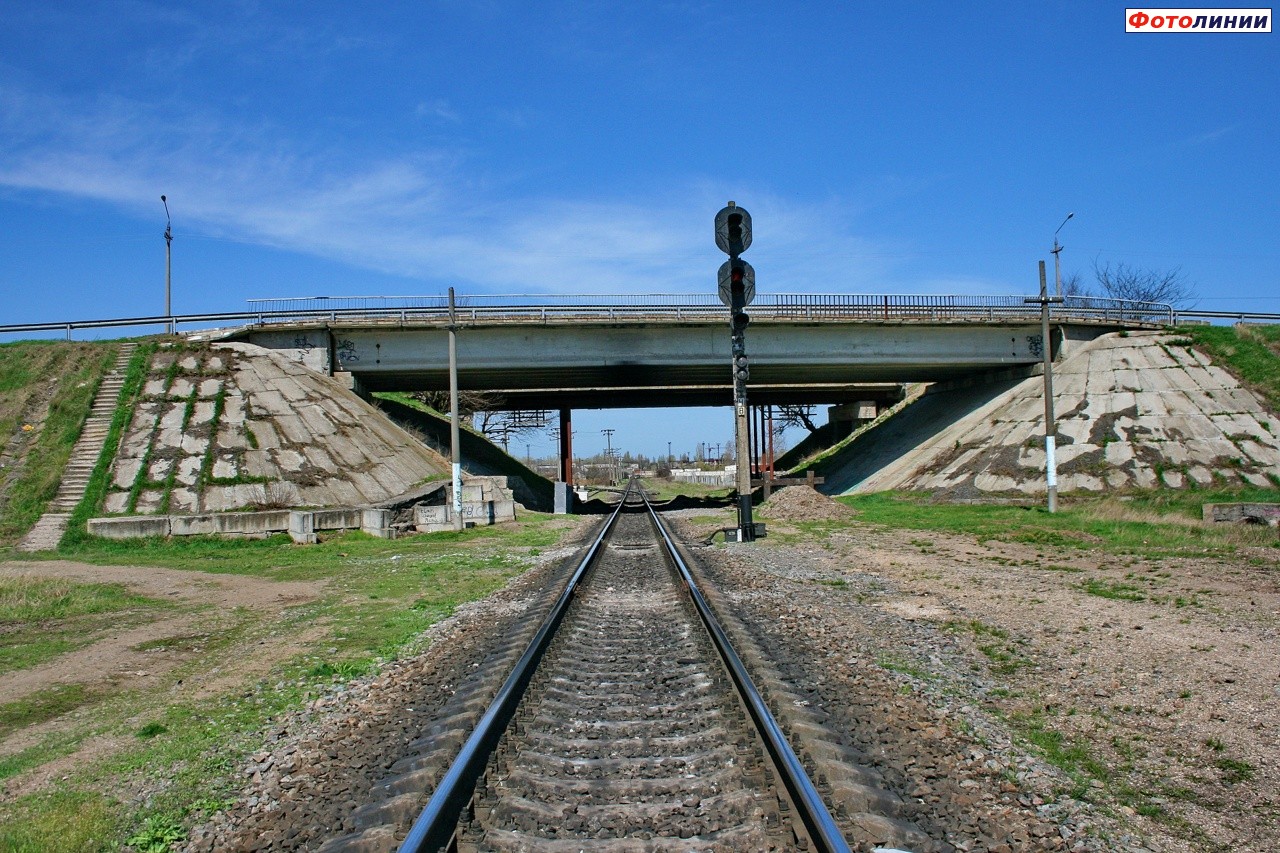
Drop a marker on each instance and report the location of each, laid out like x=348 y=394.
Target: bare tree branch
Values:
x=1137 y=284
x=794 y=415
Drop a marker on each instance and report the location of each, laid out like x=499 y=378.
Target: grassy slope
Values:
x=1250 y=353
x=27 y=369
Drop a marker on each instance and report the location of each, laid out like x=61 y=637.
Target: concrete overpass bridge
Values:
x=546 y=352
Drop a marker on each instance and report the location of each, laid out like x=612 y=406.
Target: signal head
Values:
x=733 y=229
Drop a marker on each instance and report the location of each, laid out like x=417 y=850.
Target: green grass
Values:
x=377 y=598
x=1253 y=356
x=96 y=490
x=1002 y=653
x=1149 y=525
x=1115 y=590
x=43 y=706
x=77 y=369
x=662 y=490
x=62 y=822
x=1071 y=756
x=1234 y=771
x=42 y=618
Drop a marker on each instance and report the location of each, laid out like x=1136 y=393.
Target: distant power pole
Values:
x=455 y=440
x=1050 y=427
x=608 y=450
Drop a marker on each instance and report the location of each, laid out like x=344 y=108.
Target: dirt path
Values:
x=141 y=656
x=129 y=654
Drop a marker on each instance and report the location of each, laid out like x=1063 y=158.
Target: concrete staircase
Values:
x=47 y=532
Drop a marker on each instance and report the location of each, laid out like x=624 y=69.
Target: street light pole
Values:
x=1057 y=261
x=168 y=263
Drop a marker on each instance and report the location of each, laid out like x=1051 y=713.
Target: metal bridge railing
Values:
x=665 y=307
x=829 y=306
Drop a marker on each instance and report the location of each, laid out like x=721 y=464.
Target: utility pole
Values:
x=1057 y=261
x=455 y=441
x=608 y=449
x=168 y=264
x=737 y=288
x=1050 y=427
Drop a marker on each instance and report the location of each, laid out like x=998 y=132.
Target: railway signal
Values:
x=737 y=289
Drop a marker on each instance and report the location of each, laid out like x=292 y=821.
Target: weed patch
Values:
x=1114 y=590
x=43 y=706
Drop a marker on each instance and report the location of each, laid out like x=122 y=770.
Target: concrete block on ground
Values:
x=316 y=420
x=338 y=519
x=201 y=412
x=264 y=434
x=1256 y=513
x=149 y=501
x=292 y=428
x=289 y=460
x=233 y=408
x=502 y=511
x=128 y=528
x=429 y=519
x=189 y=470
x=302 y=528
x=377 y=522
x=563 y=499
x=192 y=525
x=252 y=523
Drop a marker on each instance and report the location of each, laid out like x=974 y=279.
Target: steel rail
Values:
x=436 y=824
x=822 y=828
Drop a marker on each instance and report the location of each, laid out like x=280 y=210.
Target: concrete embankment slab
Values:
x=233 y=426
x=1137 y=410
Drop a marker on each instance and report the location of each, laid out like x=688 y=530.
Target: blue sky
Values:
x=402 y=148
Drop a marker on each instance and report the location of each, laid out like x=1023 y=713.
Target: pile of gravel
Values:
x=803 y=503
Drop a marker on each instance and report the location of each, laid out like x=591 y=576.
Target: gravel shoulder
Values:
x=1144 y=721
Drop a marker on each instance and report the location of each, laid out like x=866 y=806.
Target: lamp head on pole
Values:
x=168 y=222
x=1059 y=228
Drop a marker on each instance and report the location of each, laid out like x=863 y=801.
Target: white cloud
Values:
x=414 y=215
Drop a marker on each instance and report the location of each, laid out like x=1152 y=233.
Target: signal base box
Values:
x=731 y=534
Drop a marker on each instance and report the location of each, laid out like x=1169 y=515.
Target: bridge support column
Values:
x=566 y=446
x=564 y=486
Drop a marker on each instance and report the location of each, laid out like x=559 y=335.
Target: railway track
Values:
x=628 y=724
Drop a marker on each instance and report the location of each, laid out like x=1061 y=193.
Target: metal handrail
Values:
x=683 y=308
x=679 y=308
